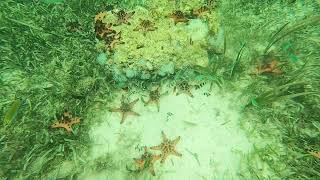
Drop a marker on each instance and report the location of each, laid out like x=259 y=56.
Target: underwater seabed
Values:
x=160 y=89
x=212 y=143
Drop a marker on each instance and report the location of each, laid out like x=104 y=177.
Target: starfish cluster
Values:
x=104 y=30
x=147 y=160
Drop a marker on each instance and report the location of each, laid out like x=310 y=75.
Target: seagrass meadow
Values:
x=164 y=90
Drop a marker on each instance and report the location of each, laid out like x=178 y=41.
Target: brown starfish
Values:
x=112 y=40
x=154 y=97
x=126 y=109
x=268 y=68
x=200 y=11
x=167 y=147
x=145 y=26
x=102 y=30
x=178 y=16
x=66 y=122
x=183 y=87
x=123 y=17
x=147 y=161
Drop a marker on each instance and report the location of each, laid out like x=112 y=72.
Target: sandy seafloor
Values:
x=208 y=126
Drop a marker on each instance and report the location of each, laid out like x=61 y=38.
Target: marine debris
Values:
x=178 y=17
x=270 y=68
x=146 y=162
x=145 y=26
x=125 y=109
x=66 y=122
x=122 y=17
x=167 y=147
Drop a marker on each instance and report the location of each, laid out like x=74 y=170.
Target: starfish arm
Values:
x=68 y=128
x=133 y=103
x=155 y=158
x=152 y=172
x=273 y=64
x=164 y=157
x=158 y=104
x=159 y=147
x=189 y=93
x=277 y=71
x=164 y=137
x=176 y=153
x=174 y=90
x=174 y=142
x=123 y=117
x=148 y=102
x=133 y=113
x=115 y=110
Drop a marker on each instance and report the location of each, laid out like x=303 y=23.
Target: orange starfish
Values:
x=268 y=68
x=154 y=97
x=178 y=16
x=167 y=147
x=66 y=122
x=126 y=109
x=147 y=161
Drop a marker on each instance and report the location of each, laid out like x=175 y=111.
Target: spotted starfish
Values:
x=123 y=17
x=167 y=147
x=126 y=109
x=154 y=97
x=178 y=16
x=146 y=161
x=183 y=87
x=145 y=26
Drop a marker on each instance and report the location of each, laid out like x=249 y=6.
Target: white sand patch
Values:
x=208 y=126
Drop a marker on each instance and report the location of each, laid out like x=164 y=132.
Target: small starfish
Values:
x=200 y=11
x=154 y=97
x=147 y=161
x=126 y=109
x=183 y=87
x=112 y=40
x=66 y=122
x=178 y=16
x=167 y=147
x=102 y=30
x=268 y=68
x=145 y=26
x=123 y=17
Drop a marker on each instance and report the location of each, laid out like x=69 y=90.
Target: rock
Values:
x=166 y=69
